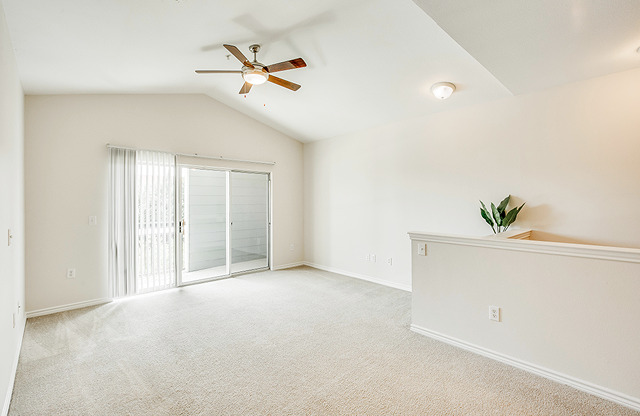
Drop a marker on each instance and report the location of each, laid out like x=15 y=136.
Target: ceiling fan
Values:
x=255 y=73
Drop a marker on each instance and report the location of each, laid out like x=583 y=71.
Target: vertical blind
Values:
x=122 y=197
x=155 y=219
x=141 y=221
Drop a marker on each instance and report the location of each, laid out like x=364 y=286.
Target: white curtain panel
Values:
x=155 y=186
x=122 y=197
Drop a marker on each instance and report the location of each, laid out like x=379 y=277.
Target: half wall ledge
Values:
x=525 y=240
x=568 y=312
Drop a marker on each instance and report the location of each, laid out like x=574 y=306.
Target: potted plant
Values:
x=498 y=218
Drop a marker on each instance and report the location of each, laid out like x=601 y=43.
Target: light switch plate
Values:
x=422 y=249
x=93 y=220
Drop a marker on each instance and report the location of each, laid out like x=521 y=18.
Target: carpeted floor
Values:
x=292 y=342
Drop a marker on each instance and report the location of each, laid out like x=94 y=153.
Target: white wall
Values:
x=66 y=177
x=572 y=319
x=572 y=153
x=11 y=214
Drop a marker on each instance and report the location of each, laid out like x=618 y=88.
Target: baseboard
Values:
x=288 y=265
x=406 y=288
x=14 y=370
x=71 y=306
x=603 y=392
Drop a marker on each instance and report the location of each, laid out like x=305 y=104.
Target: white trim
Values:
x=631 y=255
x=70 y=306
x=406 y=288
x=603 y=392
x=287 y=266
x=14 y=370
x=513 y=234
x=112 y=146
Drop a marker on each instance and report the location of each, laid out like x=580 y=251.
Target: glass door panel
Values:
x=249 y=211
x=203 y=230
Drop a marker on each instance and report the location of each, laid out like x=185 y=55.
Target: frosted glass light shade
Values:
x=442 y=90
x=255 y=76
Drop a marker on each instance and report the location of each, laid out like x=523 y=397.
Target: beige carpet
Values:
x=294 y=342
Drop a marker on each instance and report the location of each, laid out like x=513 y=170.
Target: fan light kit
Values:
x=254 y=76
x=255 y=73
x=442 y=90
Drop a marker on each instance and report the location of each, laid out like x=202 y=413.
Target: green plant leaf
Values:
x=510 y=217
x=503 y=205
x=496 y=215
x=486 y=217
x=486 y=211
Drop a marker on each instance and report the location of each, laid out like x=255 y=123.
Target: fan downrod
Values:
x=255 y=48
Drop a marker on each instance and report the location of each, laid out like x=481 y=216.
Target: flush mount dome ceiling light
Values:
x=442 y=90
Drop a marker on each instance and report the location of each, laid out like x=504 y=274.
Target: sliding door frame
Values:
x=178 y=229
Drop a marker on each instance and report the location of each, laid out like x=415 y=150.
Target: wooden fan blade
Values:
x=236 y=52
x=217 y=71
x=283 y=83
x=283 y=66
x=245 y=88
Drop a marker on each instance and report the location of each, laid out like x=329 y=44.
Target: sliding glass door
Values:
x=172 y=224
x=223 y=223
x=203 y=224
x=249 y=221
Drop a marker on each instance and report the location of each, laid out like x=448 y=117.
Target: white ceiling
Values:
x=369 y=61
x=535 y=44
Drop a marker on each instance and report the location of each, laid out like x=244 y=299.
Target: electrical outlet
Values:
x=71 y=273
x=422 y=249
x=292 y=247
x=373 y=258
x=390 y=261
x=494 y=313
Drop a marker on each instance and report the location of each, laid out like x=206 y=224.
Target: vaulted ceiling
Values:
x=369 y=61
